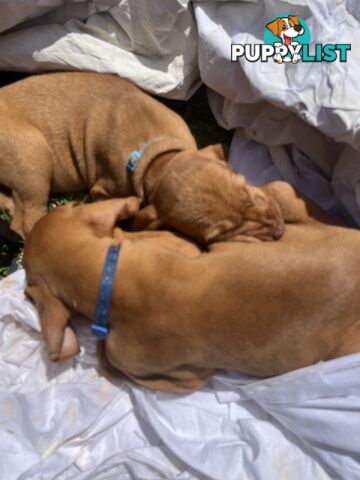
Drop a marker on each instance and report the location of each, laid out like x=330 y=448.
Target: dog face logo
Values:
x=286 y=28
x=288 y=31
x=287 y=40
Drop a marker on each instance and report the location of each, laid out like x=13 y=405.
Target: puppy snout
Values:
x=298 y=28
x=278 y=231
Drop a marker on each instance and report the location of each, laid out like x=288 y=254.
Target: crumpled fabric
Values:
x=65 y=420
x=153 y=44
x=261 y=164
x=307 y=109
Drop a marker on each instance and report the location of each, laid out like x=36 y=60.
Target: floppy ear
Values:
x=102 y=216
x=145 y=219
x=274 y=27
x=60 y=339
x=216 y=152
x=213 y=232
x=295 y=19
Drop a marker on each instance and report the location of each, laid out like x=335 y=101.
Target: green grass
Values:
x=7 y=254
x=195 y=112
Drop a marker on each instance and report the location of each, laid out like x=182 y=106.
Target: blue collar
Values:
x=135 y=156
x=100 y=327
x=134 y=159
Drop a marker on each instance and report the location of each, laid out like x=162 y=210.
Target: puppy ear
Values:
x=216 y=152
x=215 y=231
x=60 y=339
x=102 y=216
x=295 y=19
x=274 y=27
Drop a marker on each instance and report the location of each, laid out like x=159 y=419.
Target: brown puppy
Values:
x=67 y=132
x=178 y=313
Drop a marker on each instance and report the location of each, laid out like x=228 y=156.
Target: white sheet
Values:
x=260 y=164
x=66 y=421
x=280 y=105
x=153 y=44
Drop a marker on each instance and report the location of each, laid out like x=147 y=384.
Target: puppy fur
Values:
x=179 y=313
x=68 y=132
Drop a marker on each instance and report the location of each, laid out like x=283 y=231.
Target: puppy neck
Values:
x=155 y=150
x=153 y=173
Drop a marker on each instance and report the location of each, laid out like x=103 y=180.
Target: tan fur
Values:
x=222 y=206
x=66 y=132
x=179 y=313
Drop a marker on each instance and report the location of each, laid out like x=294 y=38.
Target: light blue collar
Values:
x=134 y=160
x=136 y=155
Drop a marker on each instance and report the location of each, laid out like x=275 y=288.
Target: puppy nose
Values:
x=297 y=28
x=278 y=231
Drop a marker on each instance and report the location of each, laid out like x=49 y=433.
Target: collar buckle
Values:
x=99 y=331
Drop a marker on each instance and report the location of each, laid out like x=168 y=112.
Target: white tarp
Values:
x=66 y=421
x=152 y=43
x=278 y=105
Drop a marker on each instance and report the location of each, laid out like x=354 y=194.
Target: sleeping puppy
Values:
x=204 y=200
x=68 y=132
x=177 y=313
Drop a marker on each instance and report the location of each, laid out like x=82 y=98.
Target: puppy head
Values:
x=286 y=28
x=100 y=217
x=252 y=215
x=47 y=249
x=201 y=197
x=66 y=224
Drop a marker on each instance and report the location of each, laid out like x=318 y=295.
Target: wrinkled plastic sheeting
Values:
x=279 y=105
x=66 y=421
x=260 y=164
x=154 y=44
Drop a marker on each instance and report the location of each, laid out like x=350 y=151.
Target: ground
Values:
x=196 y=113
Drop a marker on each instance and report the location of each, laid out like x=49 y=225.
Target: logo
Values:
x=287 y=40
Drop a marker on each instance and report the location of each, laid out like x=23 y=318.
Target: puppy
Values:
x=177 y=313
x=67 y=132
x=287 y=29
x=206 y=201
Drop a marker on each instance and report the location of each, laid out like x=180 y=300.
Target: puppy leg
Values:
x=348 y=345
x=18 y=216
x=294 y=207
x=178 y=381
x=30 y=206
x=26 y=171
x=7 y=203
x=103 y=189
